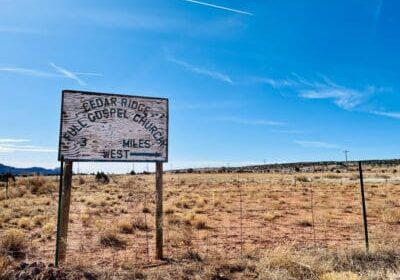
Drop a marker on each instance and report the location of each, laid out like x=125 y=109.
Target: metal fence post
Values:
x=241 y=217
x=364 y=210
x=312 y=213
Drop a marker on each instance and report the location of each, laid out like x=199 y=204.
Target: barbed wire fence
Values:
x=204 y=218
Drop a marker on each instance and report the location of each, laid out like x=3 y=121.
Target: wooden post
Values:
x=159 y=211
x=7 y=189
x=65 y=205
x=58 y=236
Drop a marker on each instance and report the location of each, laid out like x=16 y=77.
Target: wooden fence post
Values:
x=159 y=211
x=7 y=189
x=65 y=205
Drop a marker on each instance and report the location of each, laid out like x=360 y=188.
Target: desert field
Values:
x=272 y=225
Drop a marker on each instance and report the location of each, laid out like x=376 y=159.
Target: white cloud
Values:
x=11 y=148
x=60 y=72
x=68 y=74
x=316 y=144
x=250 y=121
x=275 y=83
x=202 y=71
x=9 y=140
x=219 y=7
x=344 y=97
x=395 y=115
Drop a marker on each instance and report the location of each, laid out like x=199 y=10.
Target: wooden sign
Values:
x=111 y=127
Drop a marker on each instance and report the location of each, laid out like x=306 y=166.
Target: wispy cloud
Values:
x=60 y=72
x=275 y=83
x=219 y=7
x=395 y=115
x=10 y=145
x=199 y=70
x=9 y=140
x=344 y=97
x=68 y=74
x=249 y=121
x=316 y=144
x=10 y=148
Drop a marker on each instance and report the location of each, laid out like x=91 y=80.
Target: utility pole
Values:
x=346 y=152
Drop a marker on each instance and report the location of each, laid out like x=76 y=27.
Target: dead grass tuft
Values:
x=110 y=238
x=125 y=225
x=38 y=185
x=48 y=229
x=305 y=223
x=24 y=223
x=200 y=222
x=5 y=268
x=140 y=224
x=391 y=216
x=13 y=243
x=346 y=275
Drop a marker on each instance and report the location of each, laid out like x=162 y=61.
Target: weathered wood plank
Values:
x=104 y=127
x=65 y=206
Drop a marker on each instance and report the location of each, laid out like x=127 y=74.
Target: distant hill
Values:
x=28 y=171
x=320 y=166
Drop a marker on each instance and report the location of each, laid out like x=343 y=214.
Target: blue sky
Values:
x=248 y=81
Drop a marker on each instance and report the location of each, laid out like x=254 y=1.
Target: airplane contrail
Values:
x=219 y=7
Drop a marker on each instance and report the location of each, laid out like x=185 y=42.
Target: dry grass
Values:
x=38 y=185
x=125 y=225
x=110 y=238
x=24 y=223
x=13 y=242
x=49 y=229
x=200 y=222
x=202 y=218
x=391 y=216
x=5 y=268
x=345 y=275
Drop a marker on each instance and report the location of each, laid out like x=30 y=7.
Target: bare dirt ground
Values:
x=214 y=224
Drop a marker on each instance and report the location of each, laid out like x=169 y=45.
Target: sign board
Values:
x=113 y=127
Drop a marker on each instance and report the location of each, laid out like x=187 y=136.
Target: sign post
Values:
x=65 y=205
x=99 y=127
x=159 y=211
x=58 y=237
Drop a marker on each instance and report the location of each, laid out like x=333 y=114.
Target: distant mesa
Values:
x=28 y=171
